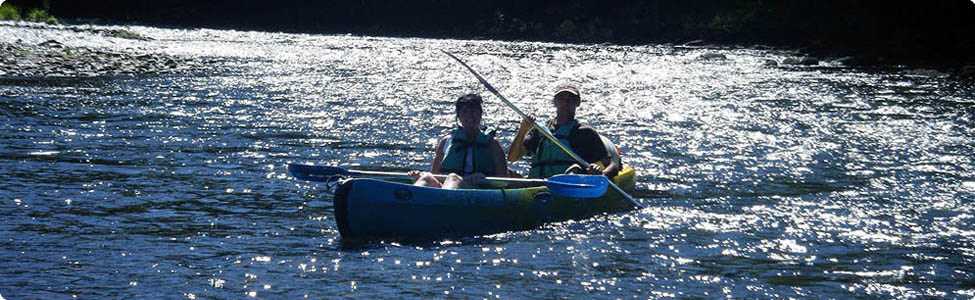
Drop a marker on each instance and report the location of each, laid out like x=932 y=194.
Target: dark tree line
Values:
x=938 y=32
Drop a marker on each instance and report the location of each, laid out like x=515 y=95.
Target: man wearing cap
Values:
x=547 y=158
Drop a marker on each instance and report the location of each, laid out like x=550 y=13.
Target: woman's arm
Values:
x=438 y=157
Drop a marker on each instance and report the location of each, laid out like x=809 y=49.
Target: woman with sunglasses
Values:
x=467 y=153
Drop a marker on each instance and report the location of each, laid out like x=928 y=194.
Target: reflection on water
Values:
x=762 y=182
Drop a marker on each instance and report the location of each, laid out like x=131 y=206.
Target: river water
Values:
x=760 y=181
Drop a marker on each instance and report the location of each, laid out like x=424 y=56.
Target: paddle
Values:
x=566 y=185
x=541 y=128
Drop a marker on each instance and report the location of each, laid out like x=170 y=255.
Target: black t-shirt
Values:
x=583 y=140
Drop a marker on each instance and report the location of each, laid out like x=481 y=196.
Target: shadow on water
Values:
x=360 y=244
x=76 y=82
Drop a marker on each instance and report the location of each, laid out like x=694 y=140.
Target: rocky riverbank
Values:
x=53 y=59
x=915 y=34
x=23 y=57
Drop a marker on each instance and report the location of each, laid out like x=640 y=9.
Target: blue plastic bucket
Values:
x=578 y=186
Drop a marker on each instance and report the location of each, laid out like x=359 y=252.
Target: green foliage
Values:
x=8 y=12
x=566 y=29
x=732 y=21
x=40 y=15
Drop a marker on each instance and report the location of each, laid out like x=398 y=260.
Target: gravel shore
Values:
x=31 y=50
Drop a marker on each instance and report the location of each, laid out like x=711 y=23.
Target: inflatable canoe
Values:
x=370 y=208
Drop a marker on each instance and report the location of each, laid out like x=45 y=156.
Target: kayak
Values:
x=372 y=208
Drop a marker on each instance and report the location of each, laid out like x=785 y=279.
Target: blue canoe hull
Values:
x=370 y=208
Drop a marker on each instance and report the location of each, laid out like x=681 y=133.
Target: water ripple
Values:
x=762 y=182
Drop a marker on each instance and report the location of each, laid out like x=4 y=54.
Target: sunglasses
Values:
x=566 y=97
x=469 y=108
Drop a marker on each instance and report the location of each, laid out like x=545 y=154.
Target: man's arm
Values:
x=612 y=168
x=589 y=146
x=518 y=147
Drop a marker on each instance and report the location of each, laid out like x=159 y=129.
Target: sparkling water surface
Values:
x=760 y=181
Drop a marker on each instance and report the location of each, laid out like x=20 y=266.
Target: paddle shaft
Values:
x=540 y=128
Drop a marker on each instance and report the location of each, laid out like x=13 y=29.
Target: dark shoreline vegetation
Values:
x=9 y=12
x=930 y=34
